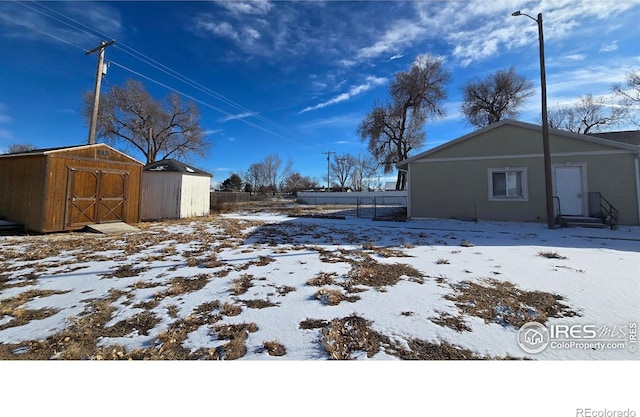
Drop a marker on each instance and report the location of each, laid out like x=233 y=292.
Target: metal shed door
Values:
x=95 y=196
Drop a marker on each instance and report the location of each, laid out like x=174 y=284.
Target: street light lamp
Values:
x=545 y=123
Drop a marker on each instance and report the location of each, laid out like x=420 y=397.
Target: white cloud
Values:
x=609 y=48
x=401 y=34
x=353 y=91
x=243 y=35
x=574 y=57
x=223 y=29
x=212 y=131
x=68 y=23
x=238 y=116
x=340 y=121
x=5 y=134
x=4 y=118
x=254 y=7
x=396 y=56
x=478 y=30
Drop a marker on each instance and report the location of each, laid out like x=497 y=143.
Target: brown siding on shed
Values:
x=22 y=185
x=41 y=199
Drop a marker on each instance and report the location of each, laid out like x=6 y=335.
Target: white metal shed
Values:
x=173 y=190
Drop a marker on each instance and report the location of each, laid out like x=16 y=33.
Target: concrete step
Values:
x=583 y=221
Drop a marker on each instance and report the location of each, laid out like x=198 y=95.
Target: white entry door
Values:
x=569 y=189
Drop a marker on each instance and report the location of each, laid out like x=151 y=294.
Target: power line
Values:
x=42 y=32
x=155 y=64
x=198 y=100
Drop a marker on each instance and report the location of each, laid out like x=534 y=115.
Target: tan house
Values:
x=497 y=173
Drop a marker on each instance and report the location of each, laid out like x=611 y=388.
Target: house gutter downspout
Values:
x=637 y=166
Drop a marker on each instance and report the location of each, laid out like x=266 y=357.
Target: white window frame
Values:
x=523 y=182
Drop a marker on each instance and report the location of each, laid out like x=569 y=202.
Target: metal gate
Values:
x=95 y=196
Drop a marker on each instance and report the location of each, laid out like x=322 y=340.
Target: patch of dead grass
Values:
x=183 y=285
x=259 y=304
x=309 y=324
x=283 y=290
x=274 y=348
x=503 y=303
x=333 y=297
x=377 y=275
x=237 y=334
x=456 y=323
x=241 y=285
x=125 y=271
x=551 y=255
x=341 y=338
x=322 y=279
x=141 y=323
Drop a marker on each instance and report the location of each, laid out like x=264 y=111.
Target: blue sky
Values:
x=294 y=78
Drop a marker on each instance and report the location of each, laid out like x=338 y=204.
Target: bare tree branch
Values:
x=394 y=129
x=158 y=129
x=497 y=96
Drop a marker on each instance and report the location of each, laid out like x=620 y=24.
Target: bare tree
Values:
x=20 y=147
x=587 y=115
x=341 y=168
x=269 y=174
x=363 y=170
x=295 y=182
x=629 y=96
x=158 y=129
x=395 y=129
x=494 y=98
x=255 y=176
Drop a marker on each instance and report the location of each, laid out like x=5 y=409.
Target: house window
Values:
x=508 y=184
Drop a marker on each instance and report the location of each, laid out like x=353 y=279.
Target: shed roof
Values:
x=61 y=149
x=587 y=138
x=171 y=165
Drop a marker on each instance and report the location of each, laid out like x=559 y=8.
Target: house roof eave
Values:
x=593 y=139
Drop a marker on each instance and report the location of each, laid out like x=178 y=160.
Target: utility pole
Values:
x=546 y=152
x=328 y=153
x=96 y=91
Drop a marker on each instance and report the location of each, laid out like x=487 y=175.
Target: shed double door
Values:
x=95 y=196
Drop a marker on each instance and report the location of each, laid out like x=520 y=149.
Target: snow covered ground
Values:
x=270 y=277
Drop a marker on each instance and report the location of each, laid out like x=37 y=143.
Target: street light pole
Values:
x=548 y=185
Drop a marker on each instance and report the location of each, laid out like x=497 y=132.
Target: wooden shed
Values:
x=173 y=190
x=52 y=190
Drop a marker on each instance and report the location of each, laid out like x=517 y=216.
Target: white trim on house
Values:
x=523 y=156
x=409 y=194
